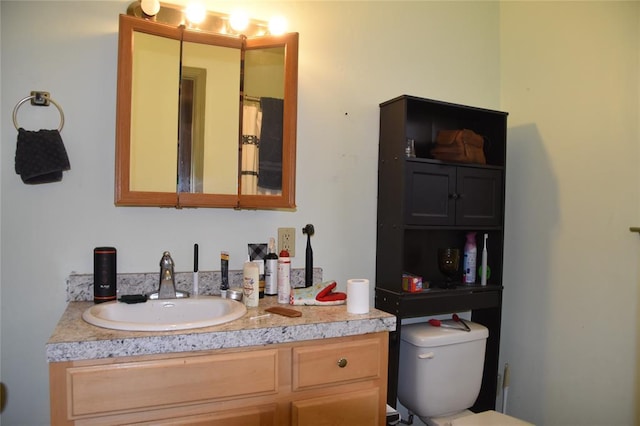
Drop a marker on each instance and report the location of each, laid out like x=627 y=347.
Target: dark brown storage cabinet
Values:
x=425 y=204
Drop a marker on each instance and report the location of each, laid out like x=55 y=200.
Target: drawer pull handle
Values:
x=428 y=355
x=342 y=362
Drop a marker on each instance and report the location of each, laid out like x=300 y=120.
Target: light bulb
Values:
x=239 y=20
x=277 y=25
x=150 y=7
x=196 y=12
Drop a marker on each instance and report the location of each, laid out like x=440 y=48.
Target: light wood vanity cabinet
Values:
x=339 y=381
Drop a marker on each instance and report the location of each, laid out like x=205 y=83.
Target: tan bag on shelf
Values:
x=459 y=146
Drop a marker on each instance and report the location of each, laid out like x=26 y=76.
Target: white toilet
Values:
x=440 y=373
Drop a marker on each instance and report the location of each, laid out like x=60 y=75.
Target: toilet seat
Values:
x=489 y=418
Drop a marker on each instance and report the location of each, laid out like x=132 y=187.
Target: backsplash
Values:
x=80 y=286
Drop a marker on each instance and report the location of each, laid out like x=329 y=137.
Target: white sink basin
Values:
x=165 y=315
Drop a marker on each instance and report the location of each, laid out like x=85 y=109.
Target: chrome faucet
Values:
x=167 y=287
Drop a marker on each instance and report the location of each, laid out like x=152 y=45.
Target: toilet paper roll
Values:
x=358 y=296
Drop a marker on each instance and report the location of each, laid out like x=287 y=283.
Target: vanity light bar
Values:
x=215 y=22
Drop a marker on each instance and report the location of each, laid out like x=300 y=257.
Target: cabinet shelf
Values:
x=425 y=204
x=439 y=301
x=434 y=161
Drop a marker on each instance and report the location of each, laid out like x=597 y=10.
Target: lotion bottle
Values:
x=284 y=279
x=250 y=283
x=470 y=259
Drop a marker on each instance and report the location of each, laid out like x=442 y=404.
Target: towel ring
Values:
x=41 y=100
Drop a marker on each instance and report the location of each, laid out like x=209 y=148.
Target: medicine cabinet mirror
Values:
x=204 y=119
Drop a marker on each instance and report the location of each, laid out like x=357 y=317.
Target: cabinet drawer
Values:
x=354 y=409
x=333 y=363
x=160 y=383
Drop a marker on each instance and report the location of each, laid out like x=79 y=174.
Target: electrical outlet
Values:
x=287 y=240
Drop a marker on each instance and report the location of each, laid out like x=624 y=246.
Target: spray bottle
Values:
x=470 y=257
x=284 y=283
x=271 y=269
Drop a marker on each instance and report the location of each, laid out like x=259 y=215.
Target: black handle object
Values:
x=133 y=298
x=308 y=263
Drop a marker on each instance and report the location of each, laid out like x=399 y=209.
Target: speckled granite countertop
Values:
x=74 y=339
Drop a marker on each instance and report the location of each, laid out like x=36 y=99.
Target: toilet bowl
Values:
x=440 y=374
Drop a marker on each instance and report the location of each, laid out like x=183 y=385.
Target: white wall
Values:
x=566 y=72
x=352 y=57
x=569 y=77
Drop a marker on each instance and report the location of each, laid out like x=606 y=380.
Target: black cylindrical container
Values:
x=104 y=274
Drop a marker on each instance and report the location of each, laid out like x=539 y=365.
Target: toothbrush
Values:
x=483 y=277
x=195 y=270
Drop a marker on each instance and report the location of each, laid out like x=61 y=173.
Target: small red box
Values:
x=411 y=283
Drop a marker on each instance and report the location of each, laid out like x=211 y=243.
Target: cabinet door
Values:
x=352 y=409
x=479 y=197
x=430 y=194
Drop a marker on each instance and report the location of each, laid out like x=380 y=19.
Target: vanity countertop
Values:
x=73 y=339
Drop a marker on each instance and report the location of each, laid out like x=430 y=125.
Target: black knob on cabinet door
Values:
x=454 y=196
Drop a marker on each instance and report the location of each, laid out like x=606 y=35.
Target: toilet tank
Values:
x=440 y=369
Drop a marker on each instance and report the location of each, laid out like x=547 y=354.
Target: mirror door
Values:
x=146 y=114
x=209 y=126
x=192 y=111
x=270 y=91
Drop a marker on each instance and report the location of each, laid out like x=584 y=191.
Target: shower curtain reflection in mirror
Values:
x=191 y=140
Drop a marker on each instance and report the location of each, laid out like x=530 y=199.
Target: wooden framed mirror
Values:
x=183 y=104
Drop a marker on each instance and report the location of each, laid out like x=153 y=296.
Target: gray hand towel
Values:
x=270 y=163
x=40 y=156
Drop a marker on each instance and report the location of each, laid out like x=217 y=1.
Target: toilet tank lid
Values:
x=426 y=335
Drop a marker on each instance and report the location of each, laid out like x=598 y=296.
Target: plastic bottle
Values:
x=284 y=282
x=250 y=283
x=470 y=257
x=271 y=269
